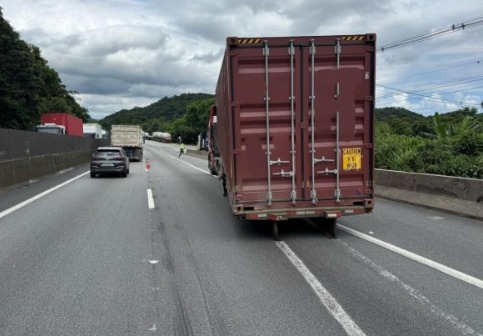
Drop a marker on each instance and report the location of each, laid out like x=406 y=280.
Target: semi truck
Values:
x=60 y=123
x=129 y=137
x=292 y=131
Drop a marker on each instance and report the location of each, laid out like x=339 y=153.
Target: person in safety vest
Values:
x=181 y=149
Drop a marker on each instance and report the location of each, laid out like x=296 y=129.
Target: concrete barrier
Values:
x=455 y=194
x=24 y=171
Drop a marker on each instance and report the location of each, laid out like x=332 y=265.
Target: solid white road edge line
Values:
x=190 y=165
x=150 y=199
x=324 y=296
x=425 y=261
x=42 y=194
x=413 y=292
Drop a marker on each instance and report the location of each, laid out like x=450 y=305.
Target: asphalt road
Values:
x=101 y=257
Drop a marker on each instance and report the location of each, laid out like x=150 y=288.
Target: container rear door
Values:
x=302 y=116
x=265 y=118
x=338 y=80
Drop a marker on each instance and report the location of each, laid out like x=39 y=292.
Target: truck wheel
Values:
x=275 y=235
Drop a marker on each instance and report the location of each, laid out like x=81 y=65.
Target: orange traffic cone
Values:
x=148 y=165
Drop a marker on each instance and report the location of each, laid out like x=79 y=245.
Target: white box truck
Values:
x=92 y=130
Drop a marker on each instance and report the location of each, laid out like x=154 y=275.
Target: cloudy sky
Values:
x=119 y=54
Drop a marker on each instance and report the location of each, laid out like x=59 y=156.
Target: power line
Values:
x=423 y=95
x=420 y=38
x=412 y=94
x=439 y=86
x=467 y=89
x=449 y=66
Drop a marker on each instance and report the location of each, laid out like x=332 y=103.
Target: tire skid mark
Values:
x=161 y=244
x=216 y=322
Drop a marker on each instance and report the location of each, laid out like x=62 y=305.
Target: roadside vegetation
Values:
x=446 y=144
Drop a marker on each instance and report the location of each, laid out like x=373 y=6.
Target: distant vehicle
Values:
x=109 y=160
x=162 y=137
x=60 y=123
x=292 y=132
x=50 y=128
x=129 y=137
x=92 y=130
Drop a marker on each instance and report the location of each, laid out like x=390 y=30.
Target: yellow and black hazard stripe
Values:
x=249 y=40
x=354 y=38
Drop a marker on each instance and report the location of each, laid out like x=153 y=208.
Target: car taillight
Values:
x=118 y=158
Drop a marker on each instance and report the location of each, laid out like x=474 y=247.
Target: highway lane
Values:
x=92 y=258
x=74 y=261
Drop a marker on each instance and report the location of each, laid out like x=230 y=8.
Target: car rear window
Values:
x=109 y=152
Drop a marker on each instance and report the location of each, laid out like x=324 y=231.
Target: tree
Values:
x=423 y=128
x=28 y=86
x=194 y=122
x=439 y=127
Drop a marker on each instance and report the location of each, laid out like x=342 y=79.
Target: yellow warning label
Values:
x=351 y=158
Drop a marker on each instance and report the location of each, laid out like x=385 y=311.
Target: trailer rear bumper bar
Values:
x=286 y=214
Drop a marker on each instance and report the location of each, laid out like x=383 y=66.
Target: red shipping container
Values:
x=73 y=125
x=295 y=126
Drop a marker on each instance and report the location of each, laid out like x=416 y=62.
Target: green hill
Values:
x=389 y=113
x=185 y=115
x=164 y=110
